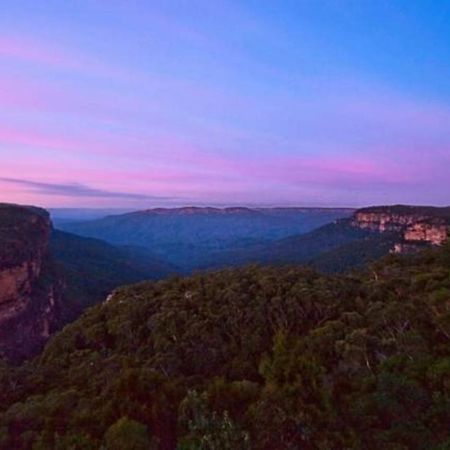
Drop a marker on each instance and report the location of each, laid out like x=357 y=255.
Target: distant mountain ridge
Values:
x=209 y=210
x=187 y=236
x=191 y=210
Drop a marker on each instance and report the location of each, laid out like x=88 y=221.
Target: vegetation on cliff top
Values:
x=257 y=358
x=430 y=212
x=23 y=231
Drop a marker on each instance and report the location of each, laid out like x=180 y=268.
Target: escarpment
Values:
x=434 y=233
x=48 y=277
x=29 y=287
x=415 y=225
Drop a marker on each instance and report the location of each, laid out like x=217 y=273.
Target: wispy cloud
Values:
x=77 y=190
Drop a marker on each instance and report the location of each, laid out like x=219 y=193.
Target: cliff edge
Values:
x=415 y=225
x=29 y=289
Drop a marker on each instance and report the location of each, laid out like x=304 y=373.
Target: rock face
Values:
x=382 y=222
x=415 y=226
x=29 y=287
x=434 y=233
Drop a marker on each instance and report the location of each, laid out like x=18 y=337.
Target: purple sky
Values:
x=146 y=103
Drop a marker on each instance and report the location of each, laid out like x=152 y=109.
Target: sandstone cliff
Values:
x=415 y=225
x=29 y=287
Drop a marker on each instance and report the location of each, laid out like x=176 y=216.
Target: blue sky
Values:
x=142 y=103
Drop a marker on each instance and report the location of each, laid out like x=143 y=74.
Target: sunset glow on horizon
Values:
x=138 y=104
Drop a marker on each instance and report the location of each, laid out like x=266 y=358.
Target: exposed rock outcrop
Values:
x=379 y=221
x=29 y=287
x=415 y=225
x=434 y=233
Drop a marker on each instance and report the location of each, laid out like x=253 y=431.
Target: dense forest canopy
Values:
x=256 y=358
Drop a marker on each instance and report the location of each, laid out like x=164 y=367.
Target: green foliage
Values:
x=256 y=358
x=209 y=430
x=23 y=229
x=127 y=434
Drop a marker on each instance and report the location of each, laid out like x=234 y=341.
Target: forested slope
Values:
x=256 y=358
x=305 y=248
x=92 y=268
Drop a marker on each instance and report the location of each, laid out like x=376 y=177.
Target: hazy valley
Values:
x=192 y=237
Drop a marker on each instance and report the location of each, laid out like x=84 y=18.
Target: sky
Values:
x=127 y=103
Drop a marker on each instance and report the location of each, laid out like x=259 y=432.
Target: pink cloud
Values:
x=157 y=149
x=168 y=164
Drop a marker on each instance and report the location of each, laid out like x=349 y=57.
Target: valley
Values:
x=190 y=237
x=334 y=240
